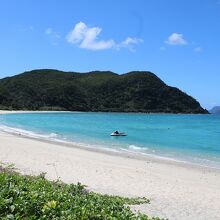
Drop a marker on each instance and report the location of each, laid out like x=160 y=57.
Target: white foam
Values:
x=53 y=135
x=19 y=131
x=136 y=148
x=131 y=148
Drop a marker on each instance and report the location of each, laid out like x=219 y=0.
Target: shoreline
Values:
x=50 y=111
x=117 y=152
x=114 y=152
x=2 y=112
x=176 y=190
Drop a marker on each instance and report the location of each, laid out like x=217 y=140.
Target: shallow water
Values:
x=191 y=138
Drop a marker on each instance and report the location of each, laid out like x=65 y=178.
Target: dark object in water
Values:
x=116 y=133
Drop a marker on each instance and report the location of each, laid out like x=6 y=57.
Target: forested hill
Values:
x=93 y=91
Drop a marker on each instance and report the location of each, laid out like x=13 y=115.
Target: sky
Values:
x=177 y=40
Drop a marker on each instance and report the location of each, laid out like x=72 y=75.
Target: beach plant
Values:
x=32 y=198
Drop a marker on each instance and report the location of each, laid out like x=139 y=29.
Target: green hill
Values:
x=93 y=91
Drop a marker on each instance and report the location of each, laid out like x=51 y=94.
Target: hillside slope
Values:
x=93 y=91
x=215 y=110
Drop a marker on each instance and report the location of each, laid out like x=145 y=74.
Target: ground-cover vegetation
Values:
x=30 y=198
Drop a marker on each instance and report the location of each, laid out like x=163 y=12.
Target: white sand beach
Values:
x=26 y=111
x=176 y=190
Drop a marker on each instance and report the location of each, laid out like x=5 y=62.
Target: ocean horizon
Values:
x=183 y=137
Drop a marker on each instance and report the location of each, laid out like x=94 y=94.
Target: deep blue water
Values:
x=194 y=138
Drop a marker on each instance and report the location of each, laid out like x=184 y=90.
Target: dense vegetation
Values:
x=93 y=91
x=35 y=198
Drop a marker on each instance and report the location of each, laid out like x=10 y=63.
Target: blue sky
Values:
x=177 y=40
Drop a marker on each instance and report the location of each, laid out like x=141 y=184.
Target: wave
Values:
x=55 y=137
x=136 y=148
x=27 y=133
x=130 y=149
x=52 y=135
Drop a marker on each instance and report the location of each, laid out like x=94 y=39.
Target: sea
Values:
x=181 y=137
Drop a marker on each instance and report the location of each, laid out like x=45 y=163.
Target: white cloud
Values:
x=176 y=39
x=129 y=42
x=87 y=38
x=48 y=31
x=198 y=49
x=52 y=33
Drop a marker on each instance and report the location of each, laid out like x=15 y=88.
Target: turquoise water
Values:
x=192 y=138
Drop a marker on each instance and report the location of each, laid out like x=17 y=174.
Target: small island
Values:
x=215 y=110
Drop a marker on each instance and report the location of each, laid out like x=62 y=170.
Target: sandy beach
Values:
x=176 y=190
x=26 y=111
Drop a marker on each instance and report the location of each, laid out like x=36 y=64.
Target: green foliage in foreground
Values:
x=25 y=197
